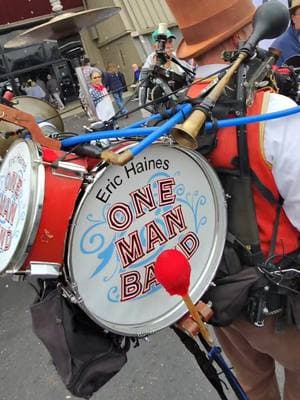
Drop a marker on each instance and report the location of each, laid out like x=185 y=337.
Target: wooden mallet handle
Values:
x=194 y=313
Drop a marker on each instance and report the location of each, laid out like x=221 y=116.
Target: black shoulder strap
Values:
x=202 y=360
x=268 y=195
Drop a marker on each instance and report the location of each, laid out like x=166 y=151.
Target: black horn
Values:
x=270 y=20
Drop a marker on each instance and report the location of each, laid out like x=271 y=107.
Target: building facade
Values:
x=36 y=61
x=126 y=38
x=123 y=39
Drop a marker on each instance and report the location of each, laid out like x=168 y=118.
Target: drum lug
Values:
x=45 y=270
x=69 y=170
x=71 y=293
x=65 y=169
x=89 y=179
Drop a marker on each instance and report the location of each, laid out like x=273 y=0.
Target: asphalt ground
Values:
x=159 y=369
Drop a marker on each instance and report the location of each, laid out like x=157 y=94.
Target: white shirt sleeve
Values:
x=282 y=151
x=149 y=61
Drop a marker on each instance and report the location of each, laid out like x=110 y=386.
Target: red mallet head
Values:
x=172 y=270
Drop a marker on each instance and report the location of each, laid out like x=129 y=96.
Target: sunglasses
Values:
x=96 y=77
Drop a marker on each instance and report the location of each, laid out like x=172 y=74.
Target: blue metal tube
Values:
x=135 y=129
x=215 y=354
x=154 y=117
x=75 y=140
x=224 y=123
x=162 y=130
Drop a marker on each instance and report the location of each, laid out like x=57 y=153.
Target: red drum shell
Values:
x=39 y=188
x=61 y=192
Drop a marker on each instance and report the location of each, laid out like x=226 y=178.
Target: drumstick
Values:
x=172 y=270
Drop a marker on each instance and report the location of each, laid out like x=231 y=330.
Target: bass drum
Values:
x=40 y=109
x=167 y=197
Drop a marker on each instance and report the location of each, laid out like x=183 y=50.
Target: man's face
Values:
x=169 y=46
x=296 y=18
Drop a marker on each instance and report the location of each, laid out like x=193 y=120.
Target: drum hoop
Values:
x=180 y=310
x=33 y=217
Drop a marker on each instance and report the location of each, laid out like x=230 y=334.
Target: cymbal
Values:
x=40 y=109
x=62 y=26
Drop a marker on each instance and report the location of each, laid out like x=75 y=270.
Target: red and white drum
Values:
x=166 y=197
x=37 y=200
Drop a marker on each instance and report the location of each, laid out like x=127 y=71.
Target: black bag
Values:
x=233 y=284
x=84 y=355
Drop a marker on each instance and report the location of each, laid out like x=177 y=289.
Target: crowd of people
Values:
x=48 y=90
x=102 y=85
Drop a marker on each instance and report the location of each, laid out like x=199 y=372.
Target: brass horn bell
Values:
x=186 y=134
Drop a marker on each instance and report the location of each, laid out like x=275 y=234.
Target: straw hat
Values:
x=295 y=4
x=206 y=23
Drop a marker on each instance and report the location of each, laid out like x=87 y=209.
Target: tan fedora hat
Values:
x=295 y=4
x=206 y=23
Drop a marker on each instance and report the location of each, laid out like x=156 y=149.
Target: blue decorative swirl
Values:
x=113 y=295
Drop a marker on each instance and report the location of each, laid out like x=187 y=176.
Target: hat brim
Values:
x=293 y=7
x=185 y=51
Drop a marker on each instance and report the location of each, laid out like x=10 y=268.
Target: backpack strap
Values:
x=202 y=360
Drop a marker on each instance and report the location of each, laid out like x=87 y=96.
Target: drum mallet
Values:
x=172 y=270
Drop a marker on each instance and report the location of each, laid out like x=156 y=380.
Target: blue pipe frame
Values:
x=151 y=134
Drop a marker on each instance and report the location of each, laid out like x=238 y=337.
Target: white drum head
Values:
x=165 y=198
x=21 y=196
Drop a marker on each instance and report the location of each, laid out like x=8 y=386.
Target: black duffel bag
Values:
x=85 y=356
x=232 y=286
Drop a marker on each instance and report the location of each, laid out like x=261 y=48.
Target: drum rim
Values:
x=178 y=311
x=36 y=200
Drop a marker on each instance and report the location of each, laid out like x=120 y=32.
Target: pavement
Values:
x=159 y=369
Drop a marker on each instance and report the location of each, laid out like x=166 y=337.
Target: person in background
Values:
x=169 y=46
x=34 y=90
x=104 y=107
x=122 y=77
x=53 y=89
x=115 y=86
x=84 y=73
x=42 y=84
x=136 y=76
x=146 y=87
x=289 y=43
x=87 y=68
x=136 y=73
x=257 y=322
